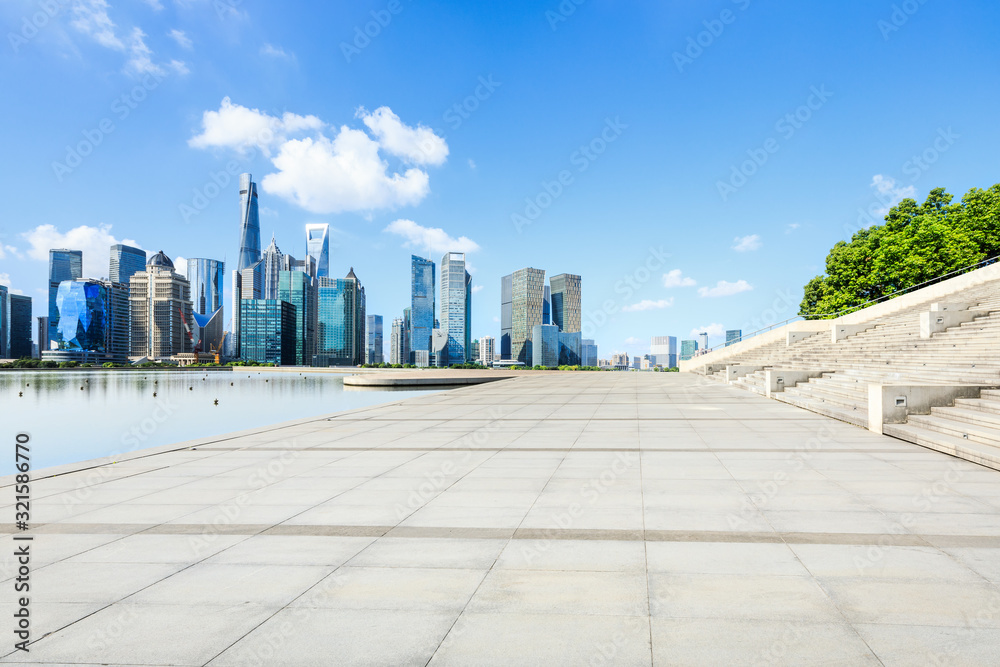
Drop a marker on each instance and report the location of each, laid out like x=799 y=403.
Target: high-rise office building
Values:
x=544 y=345
x=20 y=327
x=506 y=314
x=703 y=340
x=407 y=335
x=487 y=350
x=456 y=299
x=570 y=344
x=269 y=329
x=547 y=306
x=619 y=360
x=374 y=335
x=299 y=289
x=160 y=310
x=93 y=321
x=318 y=247
x=422 y=283
x=588 y=352
x=396 y=342
x=733 y=336
x=42 y=333
x=439 y=348
x=4 y=322
x=63 y=265
x=527 y=301
x=125 y=261
x=205 y=276
x=272 y=261
x=248 y=256
x=688 y=349
x=340 y=322
x=663 y=350
x=567 y=296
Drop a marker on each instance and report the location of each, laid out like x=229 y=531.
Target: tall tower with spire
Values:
x=249 y=223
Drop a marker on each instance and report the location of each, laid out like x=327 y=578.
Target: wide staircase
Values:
x=889 y=350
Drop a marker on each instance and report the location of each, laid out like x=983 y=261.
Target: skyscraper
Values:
x=63 y=265
x=733 y=336
x=663 y=349
x=688 y=349
x=487 y=350
x=205 y=276
x=249 y=223
x=566 y=302
x=160 y=310
x=703 y=340
x=396 y=342
x=272 y=261
x=93 y=321
x=20 y=326
x=404 y=344
x=374 y=336
x=570 y=344
x=544 y=346
x=4 y=322
x=588 y=352
x=299 y=289
x=422 y=283
x=340 y=322
x=506 y=314
x=43 y=333
x=527 y=300
x=318 y=247
x=455 y=301
x=268 y=327
x=125 y=261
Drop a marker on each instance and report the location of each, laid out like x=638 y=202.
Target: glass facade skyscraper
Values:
x=422 y=283
x=4 y=322
x=249 y=223
x=20 y=327
x=733 y=336
x=125 y=261
x=544 y=346
x=84 y=316
x=340 y=321
x=570 y=344
x=455 y=301
x=268 y=327
x=688 y=349
x=205 y=276
x=63 y=265
x=567 y=302
x=374 y=334
x=527 y=301
x=318 y=247
x=588 y=352
x=506 y=314
x=663 y=350
x=396 y=342
x=298 y=289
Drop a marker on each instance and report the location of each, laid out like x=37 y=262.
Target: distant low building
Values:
x=733 y=336
x=688 y=349
x=588 y=352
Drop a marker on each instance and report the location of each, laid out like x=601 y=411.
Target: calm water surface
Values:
x=116 y=412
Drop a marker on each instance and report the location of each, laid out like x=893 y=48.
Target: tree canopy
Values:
x=917 y=243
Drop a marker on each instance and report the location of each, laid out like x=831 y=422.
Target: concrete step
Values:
x=974 y=417
x=982 y=405
x=856 y=416
x=986 y=455
x=962 y=430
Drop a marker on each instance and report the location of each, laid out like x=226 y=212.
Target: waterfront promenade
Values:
x=548 y=519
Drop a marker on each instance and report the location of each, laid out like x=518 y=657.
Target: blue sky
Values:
x=693 y=161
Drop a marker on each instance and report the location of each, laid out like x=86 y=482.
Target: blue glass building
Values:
x=4 y=322
x=125 y=261
x=570 y=348
x=455 y=305
x=375 y=354
x=318 y=247
x=588 y=352
x=268 y=329
x=249 y=223
x=205 y=276
x=340 y=325
x=298 y=289
x=20 y=327
x=545 y=345
x=422 y=283
x=63 y=265
x=84 y=316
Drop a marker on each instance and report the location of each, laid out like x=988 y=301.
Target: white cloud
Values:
x=180 y=37
x=433 y=240
x=675 y=279
x=746 y=243
x=272 y=51
x=95 y=242
x=792 y=227
x=418 y=145
x=714 y=330
x=4 y=249
x=140 y=59
x=156 y=5
x=180 y=265
x=472 y=163
x=91 y=18
x=890 y=193
x=648 y=304
x=323 y=174
x=496 y=319
x=632 y=340
x=724 y=288
x=477 y=288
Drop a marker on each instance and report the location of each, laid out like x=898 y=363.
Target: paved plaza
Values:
x=551 y=519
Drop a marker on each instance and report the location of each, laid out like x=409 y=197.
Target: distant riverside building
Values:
x=547 y=306
x=439 y=348
x=340 y=321
x=43 y=334
x=396 y=342
x=422 y=287
x=588 y=352
x=268 y=328
x=663 y=351
x=318 y=247
x=619 y=360
x=487 y=350
x=545 y=345
x=570 y=345
x=456 y=307
x=249 y=255
x=299 y=289
x=506 y=315
x=688 y=349
x=527 y=303
x=63 y=265
x=567 y=295
x=4 y=322
x=407 y=335
x=160 y=310
x=271 y=264
x=20 y=327
x=125 y=261
x=703 y=341
x=733 y=336
x=205 y=277
x=637 y=362
x=93 y=322
x=374 y=335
